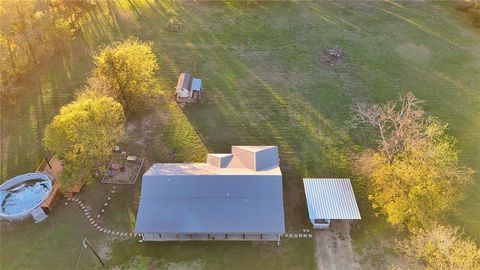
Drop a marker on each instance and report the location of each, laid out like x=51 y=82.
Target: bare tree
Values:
x=396 y=122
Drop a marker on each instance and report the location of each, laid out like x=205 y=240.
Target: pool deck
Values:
x=56 y=168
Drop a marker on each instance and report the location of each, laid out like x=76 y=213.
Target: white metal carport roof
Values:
x=330 y=198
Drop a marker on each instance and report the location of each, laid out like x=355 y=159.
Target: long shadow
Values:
x=40 y=96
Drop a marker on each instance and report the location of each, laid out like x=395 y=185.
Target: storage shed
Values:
x=188 y=89
x=328 y=199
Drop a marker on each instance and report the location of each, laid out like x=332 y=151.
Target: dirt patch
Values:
x=332 y=57
x=414 y=52
x=142 y=130
x=333 y=247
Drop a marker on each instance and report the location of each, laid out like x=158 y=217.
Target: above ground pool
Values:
x=23 y=194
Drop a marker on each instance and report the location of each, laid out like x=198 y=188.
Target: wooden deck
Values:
x=53 y=167
x=52 y=199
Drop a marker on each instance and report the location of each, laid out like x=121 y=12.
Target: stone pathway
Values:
x=304 y=234
x=102 y=210
x=96 y=224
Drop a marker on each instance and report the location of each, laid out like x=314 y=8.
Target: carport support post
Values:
x=87 y=244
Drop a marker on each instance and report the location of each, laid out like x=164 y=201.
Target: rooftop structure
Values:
x=236 y=196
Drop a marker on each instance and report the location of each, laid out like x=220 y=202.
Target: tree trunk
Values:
x=30 y=48
x=12 y=58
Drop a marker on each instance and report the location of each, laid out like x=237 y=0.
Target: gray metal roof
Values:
x=211 y=204
x=196 y=84
x=330 y=198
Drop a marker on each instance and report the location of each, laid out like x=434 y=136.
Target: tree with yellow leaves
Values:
x=84 y=134
x=441 y=248
x=127 y=68
x=416 y=177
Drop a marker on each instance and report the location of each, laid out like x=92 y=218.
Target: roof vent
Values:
x=219 y=160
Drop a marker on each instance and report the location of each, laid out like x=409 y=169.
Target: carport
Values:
x=329 y=199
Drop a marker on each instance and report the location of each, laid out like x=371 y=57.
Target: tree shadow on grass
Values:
x=39 y=97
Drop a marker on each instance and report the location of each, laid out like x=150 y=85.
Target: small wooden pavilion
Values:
x=188 y=89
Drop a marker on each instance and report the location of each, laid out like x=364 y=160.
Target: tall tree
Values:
x=442 y=248
x=397 y=123
x=30 y=31
x=84 y=134
x=416 y=178
x=128 y=68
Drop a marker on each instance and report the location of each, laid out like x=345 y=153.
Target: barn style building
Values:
x=235 y=196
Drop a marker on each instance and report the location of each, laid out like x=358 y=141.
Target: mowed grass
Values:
x=265 y=84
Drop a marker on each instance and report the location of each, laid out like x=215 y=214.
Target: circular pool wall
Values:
x=20 y=195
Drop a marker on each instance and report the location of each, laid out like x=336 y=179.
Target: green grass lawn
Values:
x=265 y=84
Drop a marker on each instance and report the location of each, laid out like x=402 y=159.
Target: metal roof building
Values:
x=237 y=196
x=329 y=198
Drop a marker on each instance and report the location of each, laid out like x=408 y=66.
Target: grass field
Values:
x=265 y=84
